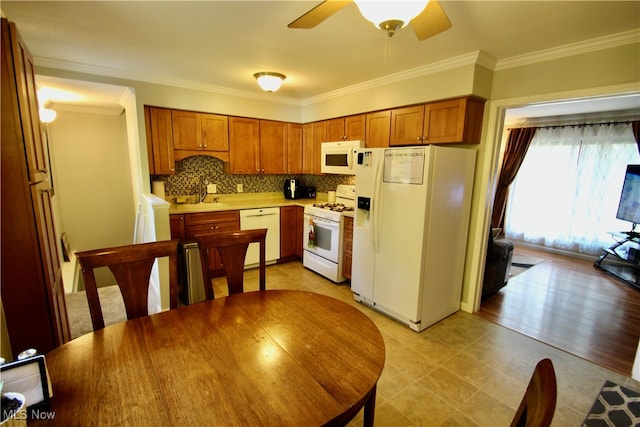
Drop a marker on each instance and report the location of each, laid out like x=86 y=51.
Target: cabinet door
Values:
x=308 y=149
x=215 y=132
x=29 y=110
x=244 y=145
x=355 y=126
x=187 y=130
x=159 y=141
x=319 y=136
x=273 y=147
x=287 y=231
x=455 y=120
x=444 y=121
x=348 y=246
x=335 y=129
x=406 y=125
x=378 y=129
x=49 y=252
x=294 y=148
x=176 y=225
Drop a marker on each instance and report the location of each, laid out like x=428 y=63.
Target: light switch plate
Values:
x=239 y=188
x=212 y=188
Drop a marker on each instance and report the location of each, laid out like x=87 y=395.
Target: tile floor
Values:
x=462 y=371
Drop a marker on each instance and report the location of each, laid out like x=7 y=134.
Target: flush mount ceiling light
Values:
x=47 y=115
x=269 y=81
x=390 y=16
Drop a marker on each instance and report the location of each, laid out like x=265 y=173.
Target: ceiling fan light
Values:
x=269 y=81
x=380 y=11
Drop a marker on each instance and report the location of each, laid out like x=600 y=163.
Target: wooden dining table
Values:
x=275 y=357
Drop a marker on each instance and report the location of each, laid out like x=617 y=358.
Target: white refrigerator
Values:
x=410 y=230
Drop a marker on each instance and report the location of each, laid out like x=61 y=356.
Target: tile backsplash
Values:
x=190 y=170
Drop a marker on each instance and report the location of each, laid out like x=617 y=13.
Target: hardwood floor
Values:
x=567 y=303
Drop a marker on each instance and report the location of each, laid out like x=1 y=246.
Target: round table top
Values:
x=259 y=358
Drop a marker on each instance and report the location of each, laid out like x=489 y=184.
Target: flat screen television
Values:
x=629 y=206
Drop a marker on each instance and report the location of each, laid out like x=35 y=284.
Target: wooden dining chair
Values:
x=539 y=402
x=232 y=247
x=131 y=266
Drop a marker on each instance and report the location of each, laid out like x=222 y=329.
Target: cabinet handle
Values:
x=42 y=170
x=419 y=138
x=205 y=145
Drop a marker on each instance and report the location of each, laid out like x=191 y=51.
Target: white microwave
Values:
x=338 y=157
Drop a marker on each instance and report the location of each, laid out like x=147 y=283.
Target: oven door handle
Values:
x=319 y=220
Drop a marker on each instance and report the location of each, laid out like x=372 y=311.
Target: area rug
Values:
x=615 y=406
x=520 y=263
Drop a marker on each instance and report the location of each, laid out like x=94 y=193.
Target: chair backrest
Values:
x=131 y=266
x=232 y=247
x=539 y=402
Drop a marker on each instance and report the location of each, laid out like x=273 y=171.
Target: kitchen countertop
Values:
x=240 y=201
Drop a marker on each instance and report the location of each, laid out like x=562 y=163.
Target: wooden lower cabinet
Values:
x=347 y=247
x=211 y=222
x=176 y=225
x=291 y=226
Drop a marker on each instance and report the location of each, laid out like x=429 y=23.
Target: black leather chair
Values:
x=497 y=265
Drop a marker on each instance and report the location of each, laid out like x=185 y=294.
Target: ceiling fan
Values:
x=425 y=21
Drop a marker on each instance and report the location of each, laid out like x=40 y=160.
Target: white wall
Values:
x=92 y=179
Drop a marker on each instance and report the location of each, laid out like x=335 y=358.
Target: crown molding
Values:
x=478 y=57
x=425 y=70
x=585 y=46
x=115 y=110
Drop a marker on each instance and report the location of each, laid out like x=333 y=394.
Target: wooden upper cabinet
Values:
x=406 y=125
x=159 y=141
x=24 y=70
x=334 y=129
x=244 y=145
x=215 y=132
x=455 y=120
x=451 y=121
x=319 y=136
x=308 y=149
x=378 y=129
x=354 y=127
x=273 y=147
x=187 y=130
x=294 y=148
x=199 y=131
x=346 y=128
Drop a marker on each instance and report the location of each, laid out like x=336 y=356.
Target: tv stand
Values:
x=622 y=259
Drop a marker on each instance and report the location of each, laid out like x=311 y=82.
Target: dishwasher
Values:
x=268 y=218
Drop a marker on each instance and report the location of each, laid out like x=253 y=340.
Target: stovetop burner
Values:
x=336 y=207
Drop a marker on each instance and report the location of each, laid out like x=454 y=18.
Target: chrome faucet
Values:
x=202 y=189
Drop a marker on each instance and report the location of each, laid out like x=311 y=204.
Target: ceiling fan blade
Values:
x=318 y=14
x=431 y=21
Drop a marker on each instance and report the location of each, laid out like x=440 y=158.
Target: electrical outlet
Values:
x=239 y=188
x=212 y=188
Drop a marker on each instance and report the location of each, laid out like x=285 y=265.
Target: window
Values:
x=566 y=193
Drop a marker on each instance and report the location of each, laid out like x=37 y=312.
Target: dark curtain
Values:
x=635 y=126
x=517 y=146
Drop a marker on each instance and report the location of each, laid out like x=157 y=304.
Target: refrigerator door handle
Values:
x=375 y=212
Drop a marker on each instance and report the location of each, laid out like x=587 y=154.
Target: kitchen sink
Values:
x=191 y=202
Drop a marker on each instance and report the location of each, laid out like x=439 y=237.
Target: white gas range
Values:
x=323 y=234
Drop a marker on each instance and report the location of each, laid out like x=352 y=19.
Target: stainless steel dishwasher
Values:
x=268 y=218
x=191 y=284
